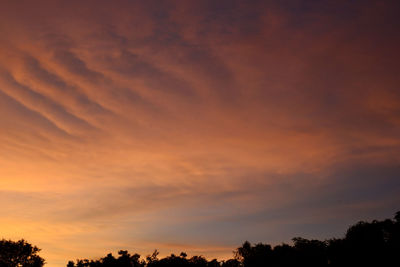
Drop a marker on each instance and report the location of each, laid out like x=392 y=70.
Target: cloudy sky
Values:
x=195 y=125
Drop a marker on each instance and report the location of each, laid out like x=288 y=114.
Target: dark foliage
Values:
x=19 y=253
x=375 y=243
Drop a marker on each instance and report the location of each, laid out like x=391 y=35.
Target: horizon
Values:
x=194 y=126
x=380 y=235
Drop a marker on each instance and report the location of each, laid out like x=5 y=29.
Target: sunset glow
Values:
x=195 y=125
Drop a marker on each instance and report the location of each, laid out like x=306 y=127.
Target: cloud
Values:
x=195 y=126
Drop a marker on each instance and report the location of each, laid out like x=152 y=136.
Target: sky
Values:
x=195 y=125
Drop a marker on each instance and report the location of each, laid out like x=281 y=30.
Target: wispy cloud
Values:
x=195 y=126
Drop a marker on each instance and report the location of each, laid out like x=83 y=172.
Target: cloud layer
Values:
x=195 y=125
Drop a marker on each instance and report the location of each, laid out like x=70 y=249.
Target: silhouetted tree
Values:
x=19 y=253
x=198 y=261
x=183 y=255
x=284 y=255
x=254 y=256
x=375 y=243
x=153 y=258
x=397 y=217
x=231 y=263
x=213 y=263
x=337 y=252
x=310 y=253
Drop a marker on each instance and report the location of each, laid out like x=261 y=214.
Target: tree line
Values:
x=375 y=243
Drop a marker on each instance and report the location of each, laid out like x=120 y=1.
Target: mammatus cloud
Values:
x=195 y=126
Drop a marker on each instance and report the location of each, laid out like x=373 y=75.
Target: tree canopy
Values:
x=19 y=253
x=375 y=243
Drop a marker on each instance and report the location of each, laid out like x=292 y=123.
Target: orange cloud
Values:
x=194 y=126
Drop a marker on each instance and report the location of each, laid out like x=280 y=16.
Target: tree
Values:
x=397 y=217
x=231 y=263
x=254 y=256
x=375 y=243
x=310 y=252
x=19 y=254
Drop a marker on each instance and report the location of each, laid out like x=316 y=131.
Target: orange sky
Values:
x=194 y=126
